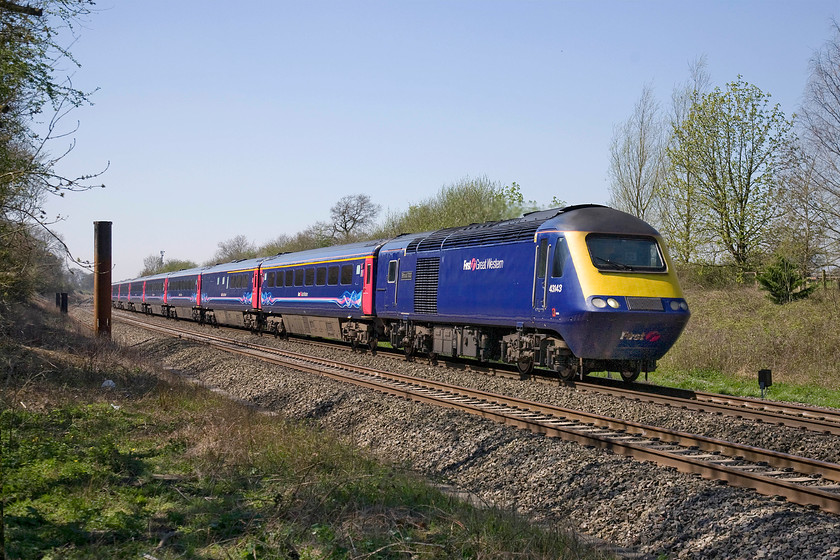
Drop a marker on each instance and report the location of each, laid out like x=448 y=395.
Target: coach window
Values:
x=321 y=276
x=559 y=261
x=347 y=274
x=290 y=277
x=299 y=277
x=332 y=276
x=310 y=277
x=392 y=272
x=278 y=279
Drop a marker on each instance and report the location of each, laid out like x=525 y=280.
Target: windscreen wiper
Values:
x=618 y=265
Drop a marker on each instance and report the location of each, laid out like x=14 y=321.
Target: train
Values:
x=574 y=290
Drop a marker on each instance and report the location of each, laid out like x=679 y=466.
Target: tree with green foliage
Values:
x=733 y=141
x=461 y=203
x=678 y=209
x=783 y=282
x=32 y=88
x=465 y=202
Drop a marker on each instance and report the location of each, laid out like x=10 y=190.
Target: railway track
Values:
x=783 y=414
x=799 y=480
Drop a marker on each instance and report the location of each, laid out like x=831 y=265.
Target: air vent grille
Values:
x=426 y=285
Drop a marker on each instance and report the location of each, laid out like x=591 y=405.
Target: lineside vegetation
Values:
x=167 y=469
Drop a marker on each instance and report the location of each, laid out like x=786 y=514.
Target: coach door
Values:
x=255 y=294
x=540 y=269
x=367 y=287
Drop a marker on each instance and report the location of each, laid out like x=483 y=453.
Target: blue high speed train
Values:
x=575 y=290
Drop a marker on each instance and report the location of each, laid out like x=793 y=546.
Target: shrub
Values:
x=783 y=282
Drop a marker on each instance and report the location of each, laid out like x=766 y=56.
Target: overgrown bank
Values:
x=163 y=468
x=736 y=330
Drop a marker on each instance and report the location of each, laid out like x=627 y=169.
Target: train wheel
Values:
x=567 y=373
x=630 y=376
x=525 y=366
x=374 y=344
x=409 y=353
x=432 y=359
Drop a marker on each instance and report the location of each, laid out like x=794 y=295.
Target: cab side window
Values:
x=542 y=257
x=558 y=263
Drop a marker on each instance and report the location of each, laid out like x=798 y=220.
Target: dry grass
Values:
x=738 y=331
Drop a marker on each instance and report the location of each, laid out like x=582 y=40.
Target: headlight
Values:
x=675 y=305
x=612 y=302
x=599 y=303
x=683 y=306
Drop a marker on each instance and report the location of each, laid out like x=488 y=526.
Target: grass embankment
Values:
x=736 y=331
x=161 y=468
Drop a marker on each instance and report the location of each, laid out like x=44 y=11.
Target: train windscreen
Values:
x=621 y=253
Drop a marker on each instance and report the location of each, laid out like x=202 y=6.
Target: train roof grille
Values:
x=490 y=233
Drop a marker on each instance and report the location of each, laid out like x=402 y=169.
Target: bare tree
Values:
x=233 y=249
x=821 y=119
x=636 y=158
x=352 y=217
x=799 y=234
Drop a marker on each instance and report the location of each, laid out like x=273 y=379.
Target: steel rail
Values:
x=715 y=459
x=784 y=414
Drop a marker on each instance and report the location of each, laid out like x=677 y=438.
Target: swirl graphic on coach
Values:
x=347 y=300
x=350 y=299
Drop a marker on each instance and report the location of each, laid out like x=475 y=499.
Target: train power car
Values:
x=576 y=290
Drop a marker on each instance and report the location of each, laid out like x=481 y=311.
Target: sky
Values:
x=216 y=119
